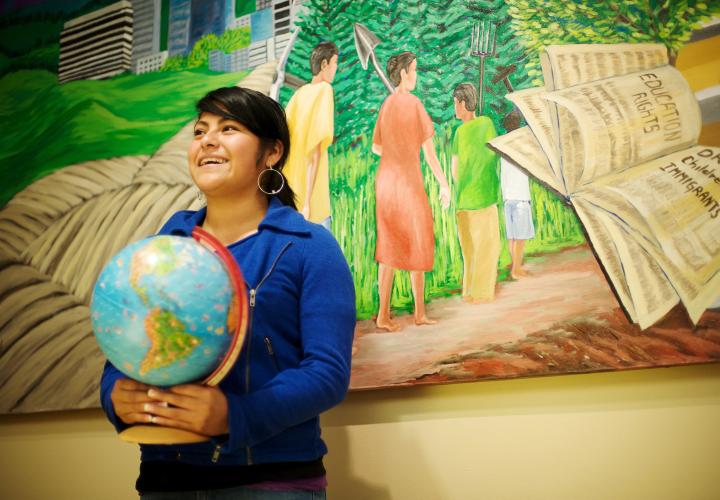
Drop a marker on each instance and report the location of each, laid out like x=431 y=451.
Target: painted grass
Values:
x=353 y=202
x=46 y=126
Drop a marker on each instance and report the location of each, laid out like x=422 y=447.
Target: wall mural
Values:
x=569 y=227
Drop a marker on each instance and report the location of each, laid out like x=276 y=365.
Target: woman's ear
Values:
x=274 y=153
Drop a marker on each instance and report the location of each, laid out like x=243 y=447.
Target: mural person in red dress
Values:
x=405 y=238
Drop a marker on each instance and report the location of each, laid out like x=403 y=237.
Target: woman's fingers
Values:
x=131 y=397
x=129 y=384
x=138 y=418
x=128 y=398
x=171 y=397
x=177 y=424
x=193 y=407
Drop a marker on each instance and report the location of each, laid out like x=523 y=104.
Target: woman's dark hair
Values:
x=399 y=62
x=263 y=117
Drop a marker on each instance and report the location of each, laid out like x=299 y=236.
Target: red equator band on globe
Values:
x=239 y=308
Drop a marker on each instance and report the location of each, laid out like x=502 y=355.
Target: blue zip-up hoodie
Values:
x=296 y=360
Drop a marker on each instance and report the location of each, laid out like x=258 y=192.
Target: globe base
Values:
x=155 y=434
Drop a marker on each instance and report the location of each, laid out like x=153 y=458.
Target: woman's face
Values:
x=223 y=157
x=408 y=78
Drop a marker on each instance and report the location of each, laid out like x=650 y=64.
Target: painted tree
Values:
x=443 y=59
x=199 y=56
x=547 y=22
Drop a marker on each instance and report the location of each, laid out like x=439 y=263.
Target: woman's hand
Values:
x=193 y=407
x=129 y=398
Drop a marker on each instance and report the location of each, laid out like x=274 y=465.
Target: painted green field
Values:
x=46 y=126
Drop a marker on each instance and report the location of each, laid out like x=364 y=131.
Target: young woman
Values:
x=263 y=417
x=405 y=238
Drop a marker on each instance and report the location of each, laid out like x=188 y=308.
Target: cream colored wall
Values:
x=647 y=434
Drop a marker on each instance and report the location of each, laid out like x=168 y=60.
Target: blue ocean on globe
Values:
x=162 y=310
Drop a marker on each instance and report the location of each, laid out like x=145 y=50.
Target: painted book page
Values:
x=671 y=206
x=640 y=284
x=607 y=252
x=624 y=121
x=523 y=148
x=536 y=111
x=567 y=65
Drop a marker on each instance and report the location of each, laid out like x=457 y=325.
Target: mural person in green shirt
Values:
x=477 y=186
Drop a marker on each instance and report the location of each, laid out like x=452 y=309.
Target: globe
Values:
x=165 y=310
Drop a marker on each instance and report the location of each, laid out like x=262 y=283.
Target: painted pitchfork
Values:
x=483 y=42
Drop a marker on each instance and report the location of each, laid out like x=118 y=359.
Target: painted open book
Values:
x=615 y=133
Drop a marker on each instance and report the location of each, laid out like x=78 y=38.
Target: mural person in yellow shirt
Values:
x=310 y=116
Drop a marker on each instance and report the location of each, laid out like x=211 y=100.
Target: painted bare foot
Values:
x=424 y=320
x=482 y=301
x=467 y=298
x=516 y=274
x=387 y=324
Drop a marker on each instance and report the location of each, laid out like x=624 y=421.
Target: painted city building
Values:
x=97 y=45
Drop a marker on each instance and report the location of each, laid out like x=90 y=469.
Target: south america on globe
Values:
x=163 y=310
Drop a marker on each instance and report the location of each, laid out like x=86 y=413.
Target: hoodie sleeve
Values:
x=327 y=322
x=109 y=376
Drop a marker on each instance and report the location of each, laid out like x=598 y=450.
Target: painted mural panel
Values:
x=515 y=197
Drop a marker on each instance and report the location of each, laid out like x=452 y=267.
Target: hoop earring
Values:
x=274 y=191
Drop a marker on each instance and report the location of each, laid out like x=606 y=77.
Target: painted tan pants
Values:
x=479 y=234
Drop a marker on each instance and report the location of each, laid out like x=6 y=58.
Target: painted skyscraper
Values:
x=207 y=16
x=146 y=28
x=97 y=45
x=179 y=27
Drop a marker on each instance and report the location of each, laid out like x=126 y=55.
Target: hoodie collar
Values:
x=278 y=217
x=283 y=218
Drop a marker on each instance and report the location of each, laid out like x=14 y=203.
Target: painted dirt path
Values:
x=563 y=318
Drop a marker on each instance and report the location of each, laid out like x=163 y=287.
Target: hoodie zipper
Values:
x=216 y=453
x=253 y=295
x=271 y=352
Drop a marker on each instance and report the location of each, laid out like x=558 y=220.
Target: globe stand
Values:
x=155 y=434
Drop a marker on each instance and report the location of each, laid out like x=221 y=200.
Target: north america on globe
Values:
x=157 y=258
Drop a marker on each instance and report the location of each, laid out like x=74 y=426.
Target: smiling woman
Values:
x=263 y=418
x=242 y=143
